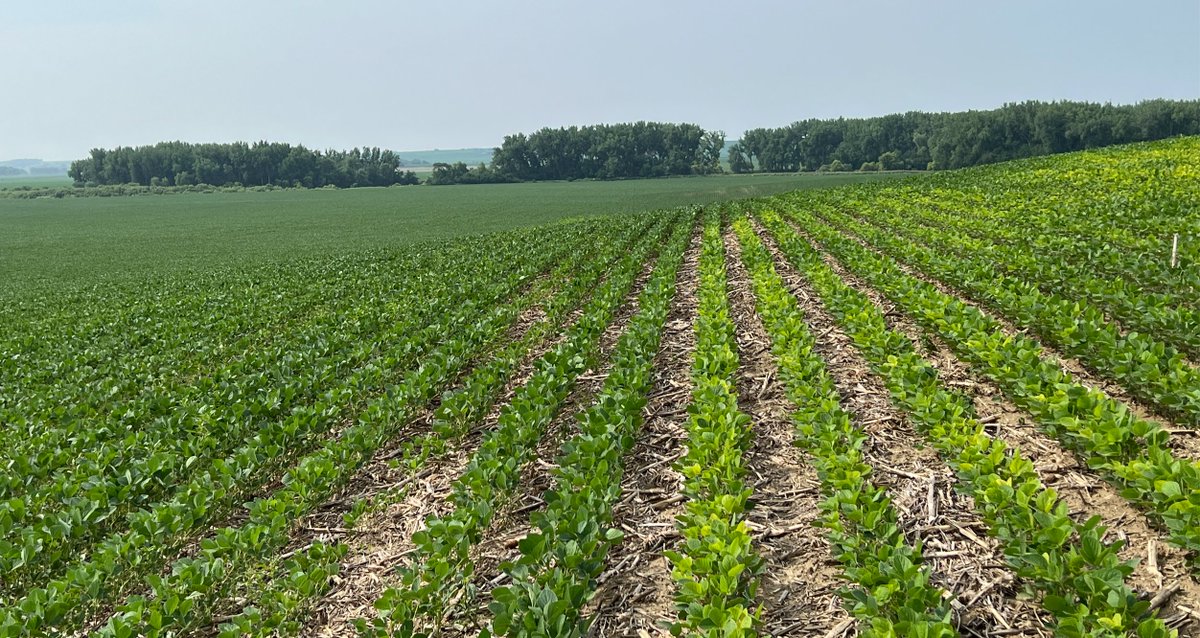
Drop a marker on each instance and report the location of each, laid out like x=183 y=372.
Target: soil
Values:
x=511 y=523
x=801 y=581
x=636 y=594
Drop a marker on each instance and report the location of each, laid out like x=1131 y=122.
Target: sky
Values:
x=465 y=73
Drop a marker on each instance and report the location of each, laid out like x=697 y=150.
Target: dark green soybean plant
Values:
x=459 y=411
x=154 y=533
x=441 y=567
x=184 y=600
x=555 y=575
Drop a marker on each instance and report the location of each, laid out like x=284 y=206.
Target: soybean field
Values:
x=72 y=241
x=959 y=404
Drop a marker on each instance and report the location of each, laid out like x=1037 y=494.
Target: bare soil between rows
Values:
x=963 y=560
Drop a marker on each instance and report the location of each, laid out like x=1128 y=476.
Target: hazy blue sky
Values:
x=409 y=75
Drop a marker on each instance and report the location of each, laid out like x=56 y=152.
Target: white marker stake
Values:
x=1174 y=248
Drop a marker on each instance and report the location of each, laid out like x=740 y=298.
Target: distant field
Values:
x=51 y=181
x=466 y=155
x=83 y=240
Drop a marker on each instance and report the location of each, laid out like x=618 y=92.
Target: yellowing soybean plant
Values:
x=965 y=404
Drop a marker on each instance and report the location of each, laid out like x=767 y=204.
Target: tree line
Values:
x=603 y=151
x=610 y=151
x=913 y=140
x=239 y=164
x=935 y=141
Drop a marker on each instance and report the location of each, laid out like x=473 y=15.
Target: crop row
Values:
x=93 y=504
x=1127 y=296
x=716 y=567
x=52 y=424
x=295 y=583
x=1065 y=230
x=440 y=568
x=1127 y=450
x=187 y=599
x=153 y=532
x=1081 y=580
x=347 y=331
x=81 y=504
x=1151 y=370
x=1111 y=212
x=560 y=560
x=1154 y=179
x=184 y=601
x=146 y=349
x=892 y=594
